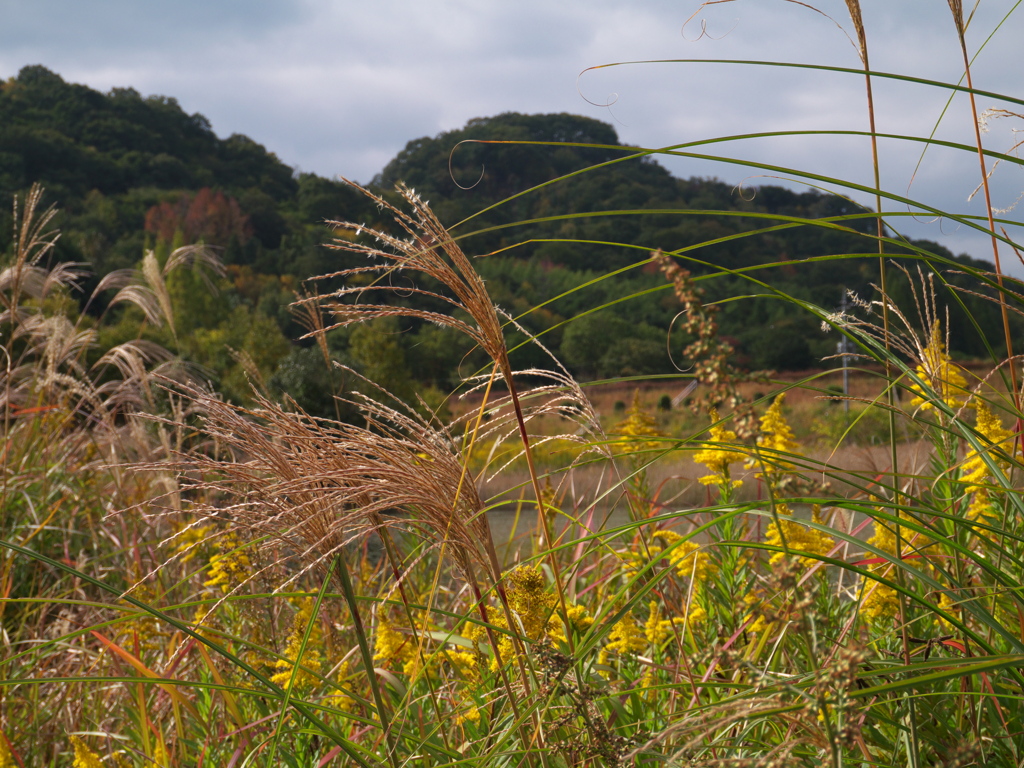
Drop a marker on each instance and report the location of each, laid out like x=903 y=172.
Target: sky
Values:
x=338 y=87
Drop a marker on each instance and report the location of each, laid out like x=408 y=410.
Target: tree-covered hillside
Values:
x=132 y=173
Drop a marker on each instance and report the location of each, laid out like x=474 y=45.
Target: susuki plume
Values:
x=316 y=485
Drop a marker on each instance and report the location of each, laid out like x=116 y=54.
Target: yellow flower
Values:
x=291 y=665
x=6 y=758
x=189 y=538
x=470 y=715
x=142 y=631
x=637 y=425
x=647 y=681
x=339 y=699
x=626 y=637
x=464 y=663
x=798 y=537
x=943 y=381
x=755 y=603
x=657 y=630
x=981 y=506
x=84 y=757
x=529 y=599
x=949 y=604
x=690 y=560
x=390 y=645
x=579 y=619
x=230 y=567
x=697 y=614
x=160 y=757
x=975 y=469
x=777 y=437
x=717 y=458
x=880 y=602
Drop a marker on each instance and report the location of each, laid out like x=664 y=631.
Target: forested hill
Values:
x=132 y=172
x=109 y=159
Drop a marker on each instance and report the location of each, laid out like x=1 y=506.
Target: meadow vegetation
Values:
x=749 y=571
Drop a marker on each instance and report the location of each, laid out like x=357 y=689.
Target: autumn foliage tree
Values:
x=208 y=216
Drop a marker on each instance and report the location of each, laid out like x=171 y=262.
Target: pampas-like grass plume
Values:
x=315 y=485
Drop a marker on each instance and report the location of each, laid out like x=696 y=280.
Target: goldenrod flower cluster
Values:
x=579 y=619
x=638 y=425
x=189 y=538
x=341 y=700
x=976 y=472
x=529 y=599
x=657 y=629
x=397 y=649
x=625 y=638
x=533 y=609
x=690 y=559
x=84 y=757
x=948 y=603
x=391 y=646
x=943 y=380
x=798 y=537
x=720 y=455
x=777 y=437
x=6 y=758
x=756 y=604
x=230 y=567
x=311 y=662
x=469 y=715
x=880 y=601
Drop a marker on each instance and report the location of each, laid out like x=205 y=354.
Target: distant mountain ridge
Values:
x=131 y=171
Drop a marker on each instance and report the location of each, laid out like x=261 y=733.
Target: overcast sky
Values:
x=339 y=87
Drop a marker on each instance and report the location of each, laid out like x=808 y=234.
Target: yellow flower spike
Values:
x=188 y=540
x=311 y=659
x=657 y=630
x=717 y=458
x=797 y=536
x=949 y=604
x=777 y=436
x=975 y=469
x=230 y=567
x=84 y=757
x=880 y=602
x=981 y=506
x=697 y=614
x=464 y=664
x=943 y=379
x=626 y=637
x=579 y=618
x=690 y=560
x=637 y=425
x=529 y=599
x=754 y=602
x=341 y=700
x=390 y=645
x=6 y=758
x=160 y=756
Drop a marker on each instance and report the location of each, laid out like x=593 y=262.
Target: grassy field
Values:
x=756 y=577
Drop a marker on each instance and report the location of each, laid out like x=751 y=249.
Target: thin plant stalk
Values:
x=858 y=23
x=957 y=8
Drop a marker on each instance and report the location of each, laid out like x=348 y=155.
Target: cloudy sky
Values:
x=337 y=87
